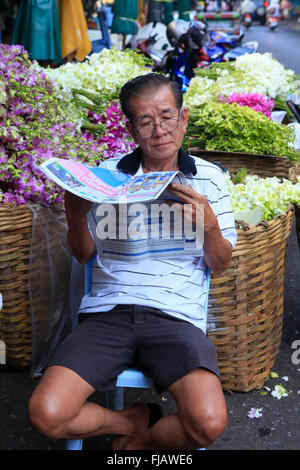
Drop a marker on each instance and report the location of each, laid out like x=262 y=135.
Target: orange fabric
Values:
x=75 y=42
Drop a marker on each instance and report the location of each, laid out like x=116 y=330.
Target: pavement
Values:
x=276 y=429
x=292 y=23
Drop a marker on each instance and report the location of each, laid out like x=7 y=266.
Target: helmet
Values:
x=176 y=29
x=197 y=31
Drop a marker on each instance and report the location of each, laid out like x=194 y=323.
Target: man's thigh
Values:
x=170 y=348
x=99 y=349
x=199 y=394
x=60 y=392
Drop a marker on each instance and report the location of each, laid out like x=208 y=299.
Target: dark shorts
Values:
x=163 y=347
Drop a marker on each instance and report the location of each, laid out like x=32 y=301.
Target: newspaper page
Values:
x=153 y=229
x=101 y=185
x=133 y=217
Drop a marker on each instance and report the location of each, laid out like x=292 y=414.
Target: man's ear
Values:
x=184 y=117
x=131 y=130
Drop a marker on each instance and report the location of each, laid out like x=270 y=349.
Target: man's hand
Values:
x=217 y=250
x=189 y=196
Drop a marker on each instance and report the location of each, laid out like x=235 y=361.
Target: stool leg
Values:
x=74 y=444
x=115 y=399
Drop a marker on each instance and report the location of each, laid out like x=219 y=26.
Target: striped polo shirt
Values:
x=176 y=285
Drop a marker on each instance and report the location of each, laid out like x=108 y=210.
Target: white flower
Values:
x=254 y=413
x=250 y=73
x=270 y=194
x=279 y=392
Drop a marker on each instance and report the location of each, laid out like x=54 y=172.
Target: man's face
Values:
x=153 y=108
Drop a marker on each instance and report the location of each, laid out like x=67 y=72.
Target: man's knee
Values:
x=45 y=416
x=203 y=429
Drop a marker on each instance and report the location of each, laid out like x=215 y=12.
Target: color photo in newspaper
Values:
x=100 y=185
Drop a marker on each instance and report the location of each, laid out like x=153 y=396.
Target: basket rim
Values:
x=266 y=224
x=235 y=154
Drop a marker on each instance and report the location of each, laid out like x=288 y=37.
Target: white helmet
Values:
x=176 y=29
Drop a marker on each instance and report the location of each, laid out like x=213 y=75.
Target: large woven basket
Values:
x=261 y=165
x=15 y=322
x=17 y=246
x=246 y=304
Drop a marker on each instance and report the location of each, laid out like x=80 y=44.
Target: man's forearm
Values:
x=217 y=251
x=79 y=238
x=81 y=242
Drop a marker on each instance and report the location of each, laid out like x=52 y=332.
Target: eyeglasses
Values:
x=167 y=125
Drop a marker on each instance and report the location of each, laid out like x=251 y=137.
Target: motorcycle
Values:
x=152 y=41
x=188 y=46
x=273 y=22
x=247 y=20
x=273 y=12
x=226 y=47
x=295 y=109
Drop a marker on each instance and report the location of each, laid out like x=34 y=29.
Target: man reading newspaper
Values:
x=149 y=313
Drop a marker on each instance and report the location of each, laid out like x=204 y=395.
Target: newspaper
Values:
x=101 y=185
x=132 y=218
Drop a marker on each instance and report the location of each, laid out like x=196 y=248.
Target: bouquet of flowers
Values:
x=234 y=128
x=249 y=73
x=33 y=128
x=103 y=72
x=271 y=195
x=260 y=103
x=104 y=121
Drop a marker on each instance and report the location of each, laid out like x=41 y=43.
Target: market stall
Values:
x=78 y=104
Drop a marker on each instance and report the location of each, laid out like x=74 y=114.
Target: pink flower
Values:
x=260 y=103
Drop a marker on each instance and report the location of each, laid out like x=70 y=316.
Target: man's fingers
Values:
x=184 y=193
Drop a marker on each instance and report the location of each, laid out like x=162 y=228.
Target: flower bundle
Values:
x=33 y=128
x=249 y=73
x=234 y=128
x=105 y=122
x=102 y=72
x=260 y=103
x=272 y=195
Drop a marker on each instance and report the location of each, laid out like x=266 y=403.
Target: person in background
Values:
x=273 y=10
x=247 y=6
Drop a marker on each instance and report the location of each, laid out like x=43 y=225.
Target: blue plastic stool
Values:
x=130 y=378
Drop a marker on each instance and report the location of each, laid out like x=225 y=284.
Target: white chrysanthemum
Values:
x=104 y=71
x=270 y=194
x=251 y=73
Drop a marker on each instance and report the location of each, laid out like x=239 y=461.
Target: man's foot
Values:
x=154 y=413
x=121 y=443
x=138 y=414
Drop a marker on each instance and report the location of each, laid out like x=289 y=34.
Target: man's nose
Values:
x=158 y=130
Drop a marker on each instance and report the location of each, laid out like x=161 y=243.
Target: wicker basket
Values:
x=261 y=165
x=15 y=322
x=246 y=304
x=16 y=248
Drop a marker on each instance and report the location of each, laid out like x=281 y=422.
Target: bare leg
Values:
x=201 y=417
x=58 y=409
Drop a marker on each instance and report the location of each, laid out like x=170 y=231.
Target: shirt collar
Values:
x=131 y=162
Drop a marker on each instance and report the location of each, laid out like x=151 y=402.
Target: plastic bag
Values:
x=55 y=284
x=296 y=128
